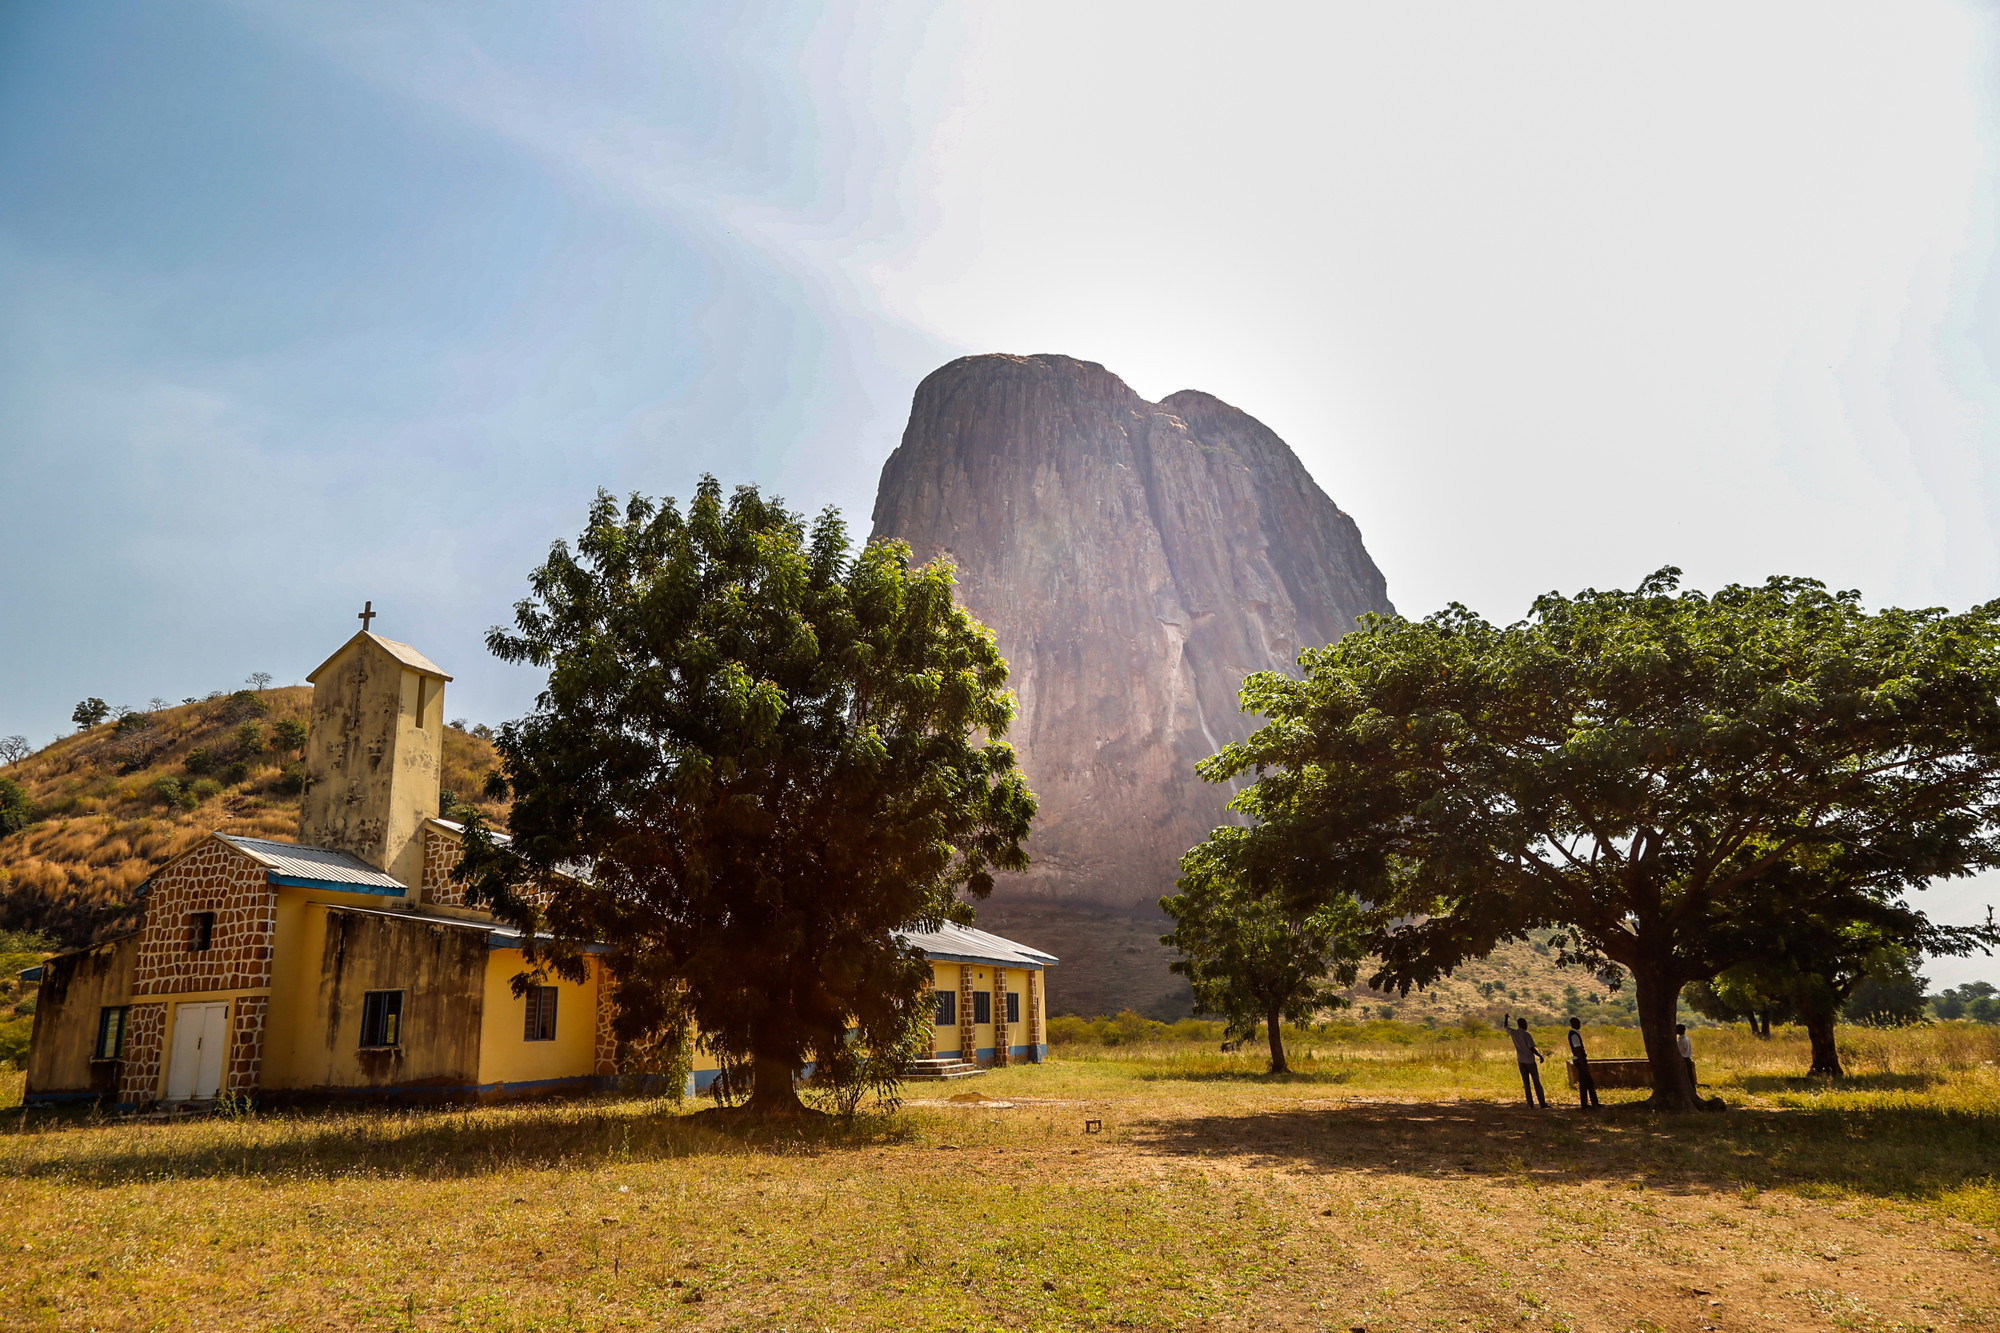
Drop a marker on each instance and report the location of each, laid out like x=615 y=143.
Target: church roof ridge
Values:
x=402 y=652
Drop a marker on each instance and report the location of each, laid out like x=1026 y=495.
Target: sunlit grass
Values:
x=1387 y=1182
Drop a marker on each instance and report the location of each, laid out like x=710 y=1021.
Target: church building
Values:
x=348 y=966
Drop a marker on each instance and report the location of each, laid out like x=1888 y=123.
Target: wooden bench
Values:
x=1615 y=1073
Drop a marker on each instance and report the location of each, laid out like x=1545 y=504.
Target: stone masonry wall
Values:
x=139 y=1077
x=213 y=878
x=246 y=1045
x=968 y=1035
x=607 y=1039
x=1000 y=1035
x=1033 y=1000
x=442 y=853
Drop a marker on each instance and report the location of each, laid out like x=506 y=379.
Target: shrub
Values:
x=236 y=772
x=90 y=712
x=200 y=760
x=292 y=779
x=250 y=740
x=131 y=720
x=204 y=788
x=243 y=704
x=1065 y=1029
x=170 y=791
x=16 y=810
x=290 y=734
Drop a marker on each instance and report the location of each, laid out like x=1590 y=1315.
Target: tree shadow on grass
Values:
x=1765 y=1084
x=1885 y=1153
x=1306 y=1078
x=420 y=1143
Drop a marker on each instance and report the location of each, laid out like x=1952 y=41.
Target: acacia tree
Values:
x=1636 y=769
x=757 y=757
x=1247 y=958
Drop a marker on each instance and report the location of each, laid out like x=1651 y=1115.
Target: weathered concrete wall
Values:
x=441 y=970
x=75 y=988
x=374 y=759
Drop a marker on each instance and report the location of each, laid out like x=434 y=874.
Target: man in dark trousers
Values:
x=1526 y=1054
x=1586 y=1086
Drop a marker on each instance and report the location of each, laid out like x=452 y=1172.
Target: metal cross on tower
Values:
x=366 y=614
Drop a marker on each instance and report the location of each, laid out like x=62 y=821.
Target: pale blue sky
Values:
x=306 y=305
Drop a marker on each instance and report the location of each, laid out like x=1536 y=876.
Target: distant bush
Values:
x=170 y=791
x=290 y=735
x=131 y=720
x=243 y=704
x=236 y=772
x=16 y=810
x=250 y=740
x=90 y=712
x=14 y=1035
x=291 y=779
x=200 y=760
x=205 y=788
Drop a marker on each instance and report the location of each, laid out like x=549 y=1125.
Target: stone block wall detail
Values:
x=246 y=1045
x=968 y=1035
x=145 y=1040
x=1033 y=1000
x=999 y=1016
x=606 y=1063
x=217 y=878
x=442 y=853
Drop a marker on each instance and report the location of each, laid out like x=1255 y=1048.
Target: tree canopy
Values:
x=758 y=756
x=1247 y=958
x=1647 y=771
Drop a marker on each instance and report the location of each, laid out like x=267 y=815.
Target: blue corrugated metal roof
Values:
x=319 y=864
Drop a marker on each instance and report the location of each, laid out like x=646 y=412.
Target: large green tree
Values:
x=1247 y=958
x=757 y=758
x=1637 y=769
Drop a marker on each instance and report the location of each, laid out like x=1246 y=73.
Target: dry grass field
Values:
x=1390 y=1184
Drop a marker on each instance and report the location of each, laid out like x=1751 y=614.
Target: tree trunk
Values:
x=772 y=1090
x=1761 y=1024
x=1825 y=1056
x=1271 y=1025
x=1673 y=1090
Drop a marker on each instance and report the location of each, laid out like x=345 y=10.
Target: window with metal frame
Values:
x=947 y=1008
x=201 y=938
x=541 y=1018
x=982 y=1006
x=1013 y=1006
x=111 y=1020
x=382 y=1018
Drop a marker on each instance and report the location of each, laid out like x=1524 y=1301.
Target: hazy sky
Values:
x=306 y=305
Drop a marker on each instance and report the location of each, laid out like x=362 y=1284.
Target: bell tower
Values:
x=374 y=759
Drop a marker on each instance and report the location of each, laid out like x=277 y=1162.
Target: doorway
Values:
x=201 y=1036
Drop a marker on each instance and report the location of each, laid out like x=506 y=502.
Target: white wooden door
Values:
x=201 y=1034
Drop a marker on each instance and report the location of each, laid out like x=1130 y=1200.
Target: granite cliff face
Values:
x=1136 y=560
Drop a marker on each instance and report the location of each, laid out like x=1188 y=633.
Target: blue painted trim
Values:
x=59 y=1098
x=336 y=886
x=1010 y=964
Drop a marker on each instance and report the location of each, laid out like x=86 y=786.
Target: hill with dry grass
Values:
x=113 y=803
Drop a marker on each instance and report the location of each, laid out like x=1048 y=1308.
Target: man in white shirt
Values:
x=1586 y=1086
x=1526 y=1054
x=1686 y=1048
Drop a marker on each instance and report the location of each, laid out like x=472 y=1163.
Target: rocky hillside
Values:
x=113 y=803
x=1135 y=560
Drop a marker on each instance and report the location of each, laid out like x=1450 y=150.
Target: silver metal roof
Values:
x=321 y=863
x=962 y=944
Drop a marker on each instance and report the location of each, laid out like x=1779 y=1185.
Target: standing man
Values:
x=1686 y=1048
x=1526 y=1054
x=1586 y=1086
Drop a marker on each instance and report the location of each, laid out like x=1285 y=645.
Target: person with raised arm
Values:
x=1526 y=1054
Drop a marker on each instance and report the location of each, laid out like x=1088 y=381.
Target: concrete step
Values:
x=941 y=1069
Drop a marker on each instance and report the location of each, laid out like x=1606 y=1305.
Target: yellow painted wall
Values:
x=504 y=1057
x=298 y=944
